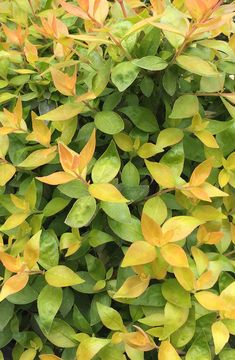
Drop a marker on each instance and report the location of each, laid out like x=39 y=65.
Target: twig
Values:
x=121 y=3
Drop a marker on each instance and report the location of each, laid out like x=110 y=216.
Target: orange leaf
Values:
x=87 y=152
x=201 y=173
x=138 y=340
x=151 y=230
x=174 y=255
x=196 y=8
x=74 y=10
x=14 y=284
x=67 y=157
x=64 y=83
x=199 y=193
x=167 y=352
x=57 y=178
x=40 y=132
x=140 y=252
x=10 y=262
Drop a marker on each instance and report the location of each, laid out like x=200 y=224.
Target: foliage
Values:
x=117 y=177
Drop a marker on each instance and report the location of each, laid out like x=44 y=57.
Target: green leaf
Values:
x=196 y=65
x=61 y=276
x=74 y=189
x=110 y=317
x=6 y=96
x=117 y=211
x=130 y=232
x=142 y=117
x=175 y=317
x=130 y=174
x=82 y=212
x=107 y=166
x=49 y=253
x=109 y=122
x=175 y=294
x=6 y=310
x=185 y=333
x=60 y=334
x=152 y=63
x=54 y=206
x=227 y=354
x=48 y=303
x=185 y=106
x=199 y=350
x=124 y=74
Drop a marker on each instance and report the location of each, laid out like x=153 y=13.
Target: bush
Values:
x=117 y=178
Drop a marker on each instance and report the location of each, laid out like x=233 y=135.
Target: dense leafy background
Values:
x=117 y=176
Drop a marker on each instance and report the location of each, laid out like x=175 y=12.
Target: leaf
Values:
x=200 y=259
x=140 y=252
x=48 y=304
x=49 y=357
x=62 y=276
x=10 y=262
x=63 y=112
x=64 y=83
x=180 y=226
x=106 y=192
x=220 y=335
x=137 y=113
x=175 y=317
x=57 y=178
x=151 y=230
x=40 y=132
x=175 y=294
x=161 y=173
x=39 y=158
x=124 y=74
x=174 y=255
x=88 y=348
x=199 y=349
x=110 y=317
x=87 y=152
x=185 y=277
x=201 y=173
x=185 y=333
x=133 y=287
x=185 y=106
x=117 y=211
x=107 y=166
x=28 y=354
x=13 y=221
x=109 y=122
x=31 y=250
x=14 y=284
x=81 y=212
x=7 y=171
x=210 y=301
x=196 y=65
x=54 y=206
x=152 y=63
x=167 y=352
x=156 y=209
x=197 y=8
x=169 y=137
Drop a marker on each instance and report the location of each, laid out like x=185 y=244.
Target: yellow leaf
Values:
x=181 y=226
x=19 y=203
x=174 y=255
x=64 y=83
x=28 y=354
x=200 y=193
x=185 y=277
x=123 y=141
x=169 y=137
x=210 y=301
x=220 y=335
x=207 y=139
x=213 y=191
x=140 y=252
x=89 y=347
x=151 y=230
x=57 y=178
x=39 y=158
x=133 y=287
x=31 y=250
x=106 y=192
x=201 y=173
x=10 y=262
x=223 y=178
x=63 y=112
x=200 y=259
x=161 y=173
x=13 y=221
x=207 y=280
x=167 y=352
x=30 y=52
x=49 y=357
x=14 y=284
x=61 y=276
x=7 y=171
x=40 y=132
x=87 y=152
x=148 y=150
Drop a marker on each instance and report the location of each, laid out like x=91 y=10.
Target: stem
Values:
x=121 y=3
x=118 y=43
x=230 y=253
x=31 y=5
x=154 y=195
